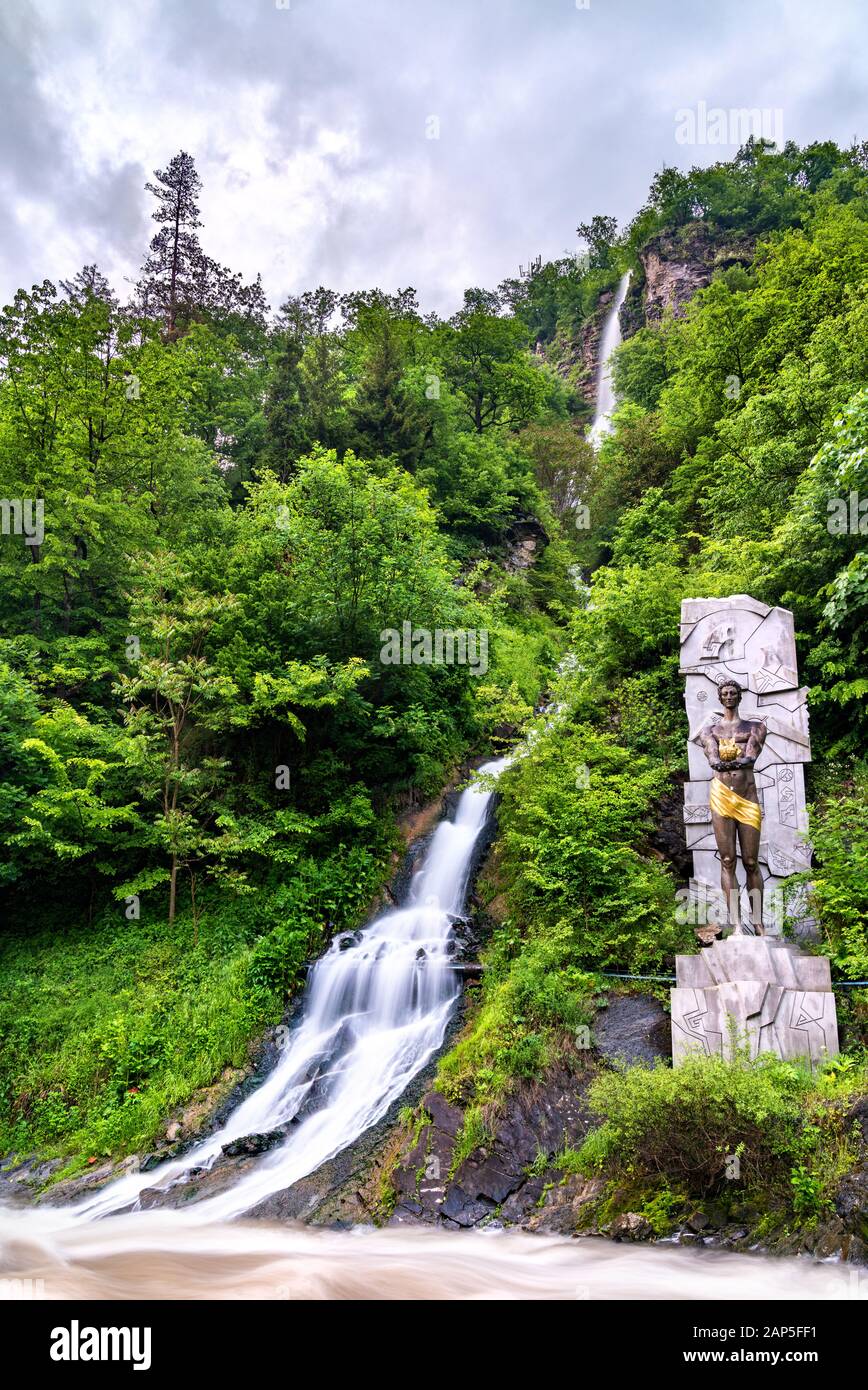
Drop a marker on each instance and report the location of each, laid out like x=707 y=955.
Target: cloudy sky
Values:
x=434 y=143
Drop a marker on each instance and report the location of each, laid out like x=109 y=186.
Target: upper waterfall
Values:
x=610 y=339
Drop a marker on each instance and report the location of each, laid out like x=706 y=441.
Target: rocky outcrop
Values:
x=678 y=263
x=498 y=1178
x=672 y=266
x=577 y=359
x=631 y=1029
x=525 y=541
x=509 y=1178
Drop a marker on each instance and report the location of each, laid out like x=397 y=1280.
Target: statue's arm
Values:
x=708 y=743
x=754 y=745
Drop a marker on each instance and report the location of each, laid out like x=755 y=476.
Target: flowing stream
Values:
x=376 y=1010
x=44 y=1253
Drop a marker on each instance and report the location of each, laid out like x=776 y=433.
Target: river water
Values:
x=166 y=1255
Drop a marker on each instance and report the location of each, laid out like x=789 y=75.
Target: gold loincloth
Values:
x=726 y=802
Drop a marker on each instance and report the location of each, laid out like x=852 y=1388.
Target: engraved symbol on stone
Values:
x=718 y=645
x=702 y=696
x=774 y=674
x=787 y=809
x=801 y=1017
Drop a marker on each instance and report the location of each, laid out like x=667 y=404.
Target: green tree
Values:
x=173 y=696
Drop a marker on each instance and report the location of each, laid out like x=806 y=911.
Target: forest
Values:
x=213 y=512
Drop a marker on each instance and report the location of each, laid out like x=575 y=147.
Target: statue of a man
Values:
x=732 y=746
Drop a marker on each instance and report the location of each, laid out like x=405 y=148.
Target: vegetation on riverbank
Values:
x=204 y=748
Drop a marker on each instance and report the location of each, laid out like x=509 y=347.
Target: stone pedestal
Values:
x=754 y=991
x=741 y=638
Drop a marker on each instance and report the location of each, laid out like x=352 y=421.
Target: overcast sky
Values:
x=311 y=124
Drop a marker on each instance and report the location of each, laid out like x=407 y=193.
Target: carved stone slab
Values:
x=757 y=992
x=742 y=638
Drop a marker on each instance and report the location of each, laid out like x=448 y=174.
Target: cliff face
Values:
x=677 y=264
x=577 y=358
x=673 y=266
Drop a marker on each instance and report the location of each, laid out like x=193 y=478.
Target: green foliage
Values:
x=712 y=1126
x=198 y=726
x=574 y=809
x=255 y=508
x=839 y=883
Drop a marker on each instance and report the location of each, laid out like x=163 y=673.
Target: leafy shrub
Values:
x=688 y=1123
x=839 y=886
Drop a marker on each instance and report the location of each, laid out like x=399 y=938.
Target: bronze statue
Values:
x=732 y=746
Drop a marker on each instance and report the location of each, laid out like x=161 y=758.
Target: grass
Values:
x=103 y=1030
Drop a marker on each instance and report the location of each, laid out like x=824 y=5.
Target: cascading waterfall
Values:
x=376 y=1010
x=374 y=1013
x=610 y=339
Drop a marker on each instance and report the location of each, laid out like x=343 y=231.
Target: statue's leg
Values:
x=724 y=834
x=749 y=842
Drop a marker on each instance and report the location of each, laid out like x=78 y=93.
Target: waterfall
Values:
x=376 y=1009
x=609 y=340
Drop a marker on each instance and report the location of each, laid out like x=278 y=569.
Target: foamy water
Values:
x=166 y=1255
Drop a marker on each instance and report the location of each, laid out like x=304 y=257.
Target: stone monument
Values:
x=745 y=817
x=758 y=992
x=741 y=640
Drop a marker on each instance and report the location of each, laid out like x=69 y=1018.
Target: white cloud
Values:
x=308 y=125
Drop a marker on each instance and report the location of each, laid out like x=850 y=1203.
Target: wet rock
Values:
x=521 y=1203
x=633 y=1028
x=829 y=1239
x=490 y=1178
x=631 y=1225
x=173 y=1132
x=255 y=1143
x=542 y=1118
x=567 y=1206
x=464 y=1209
x=444 y=1116
x=851 y=1202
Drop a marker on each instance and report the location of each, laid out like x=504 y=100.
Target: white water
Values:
x=45 y=1253
x=610 y=339
x=373 y=1016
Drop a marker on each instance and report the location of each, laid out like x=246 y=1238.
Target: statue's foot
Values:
x=709 y=934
